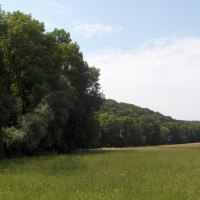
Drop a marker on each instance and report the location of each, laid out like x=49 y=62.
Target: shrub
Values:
x=35 y=124
x=13 y=140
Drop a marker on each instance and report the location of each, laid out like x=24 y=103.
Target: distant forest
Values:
x=123 y=124
x=50 y=99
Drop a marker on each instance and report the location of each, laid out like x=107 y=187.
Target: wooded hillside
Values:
x=123 y=124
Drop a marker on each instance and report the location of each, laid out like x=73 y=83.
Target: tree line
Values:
x=123 y=124
x=48 y=94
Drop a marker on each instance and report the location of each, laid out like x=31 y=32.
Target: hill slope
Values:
x=123 y=124
x=125 y=109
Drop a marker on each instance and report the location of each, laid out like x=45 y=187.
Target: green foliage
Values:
x=61 y=36
x=7 y=110
x=7 y=116
x=119 y=131
x=124 y=124
x=27 y=138
x=165 y=137
x=1 y=145
x=13 y=141
x=124 y=109
x=61 y=103
x=21 y=57
x=13 y=135
x=35 y=126
x=150 y=128
x=48 y=93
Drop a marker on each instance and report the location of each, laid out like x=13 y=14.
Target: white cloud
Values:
x=90 y=29
x=163 y=75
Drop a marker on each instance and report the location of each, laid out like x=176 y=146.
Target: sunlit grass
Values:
x=165 y=172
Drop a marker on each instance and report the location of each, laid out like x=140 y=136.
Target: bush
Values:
x=13 y=140
x=35 y=126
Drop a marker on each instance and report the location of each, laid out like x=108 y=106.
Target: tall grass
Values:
x=157 y=173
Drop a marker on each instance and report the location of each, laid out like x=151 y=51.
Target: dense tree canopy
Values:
x=48 y=93
x=123 y=124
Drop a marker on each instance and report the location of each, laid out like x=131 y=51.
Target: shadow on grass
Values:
x=51 y=165
x=50 y=157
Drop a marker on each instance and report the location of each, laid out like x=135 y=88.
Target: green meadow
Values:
x=163 y=172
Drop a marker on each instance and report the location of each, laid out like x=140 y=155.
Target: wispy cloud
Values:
x=162 y=74
x=91 y=29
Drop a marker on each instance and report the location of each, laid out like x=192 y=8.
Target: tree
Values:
x=165 y=137
x=81 y=124
x=151 y=129
x=7 y=112
x=38 y=67
x=174 y=128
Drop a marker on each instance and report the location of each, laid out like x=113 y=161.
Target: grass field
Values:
x=156 y=173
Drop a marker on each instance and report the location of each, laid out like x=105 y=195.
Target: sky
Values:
x=148 y=51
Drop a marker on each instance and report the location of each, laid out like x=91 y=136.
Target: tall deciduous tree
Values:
x=39 y=67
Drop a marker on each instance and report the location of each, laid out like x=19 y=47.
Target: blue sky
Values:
x=139 y=20
x=148 y=51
